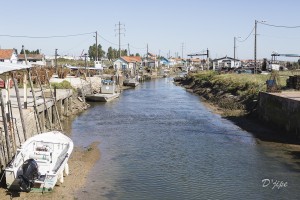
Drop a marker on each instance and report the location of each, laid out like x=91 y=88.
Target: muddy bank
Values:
x=235 y=102
x=81 y=162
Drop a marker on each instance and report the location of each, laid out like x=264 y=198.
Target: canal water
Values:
x=160 y=142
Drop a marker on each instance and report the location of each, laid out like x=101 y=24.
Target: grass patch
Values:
x=63 y=85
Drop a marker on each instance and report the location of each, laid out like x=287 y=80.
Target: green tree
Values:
x=137 y=54
x=93 y=51
x=30 y=52
x=110 y=53
x=114 y=53
x=264 y=65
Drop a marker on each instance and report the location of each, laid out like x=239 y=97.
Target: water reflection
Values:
x=159 y=142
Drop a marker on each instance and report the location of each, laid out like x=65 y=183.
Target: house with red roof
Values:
x=8 y=55
x=127 y=62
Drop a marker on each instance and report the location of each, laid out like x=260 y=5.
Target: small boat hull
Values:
x=49 y=152
x=131 y=83
x=101 y=97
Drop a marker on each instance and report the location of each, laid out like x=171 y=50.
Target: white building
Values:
x=226 y=62
x=8 y=55
x=127 y=62
x=34 y=59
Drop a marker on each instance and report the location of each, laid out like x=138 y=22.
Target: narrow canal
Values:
x=160 y=142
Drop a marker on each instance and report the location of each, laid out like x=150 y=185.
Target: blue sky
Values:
x=163 y=24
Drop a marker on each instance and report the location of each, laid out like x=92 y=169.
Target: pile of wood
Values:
x=293 y=82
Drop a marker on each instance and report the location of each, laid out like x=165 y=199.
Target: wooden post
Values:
x=25 y=90
x=59 y=107
x=11 y=125
x=7 y=139
x=2 y=151
x=19 y=105
x=42 y=118
x=82 y=90
x=43 y=95
x=54 y=99
x=38 y=123
x=70 y=104
x=66 y=106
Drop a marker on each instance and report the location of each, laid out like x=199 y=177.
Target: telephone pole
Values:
x=128 y=50
x=255 y=35
x=96 y=46
x=255 y=44
x=147 y=51
x=120 y=29
x=56 y=60
x=234 y=47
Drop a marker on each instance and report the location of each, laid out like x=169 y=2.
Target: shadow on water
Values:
x=262 y=131
x=267 y=133
x=295 y=154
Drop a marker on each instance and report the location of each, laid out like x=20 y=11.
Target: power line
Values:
x=278 y=26
x=45 y=37
x=107 y=40
x=246 y=37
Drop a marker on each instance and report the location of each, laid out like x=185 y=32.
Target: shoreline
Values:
x=234 y=105
x=286 y=150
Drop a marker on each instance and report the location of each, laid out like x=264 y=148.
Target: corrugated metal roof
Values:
x=7 y=67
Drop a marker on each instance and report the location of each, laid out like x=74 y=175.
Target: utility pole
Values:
x=147 y=51
x=85 y=63
x=120 y=29
x=56 y=60
x=255 y=35
x=234 y=49
x=128 y=50
x=234 y=46
x=96 y=46
x=207 y=58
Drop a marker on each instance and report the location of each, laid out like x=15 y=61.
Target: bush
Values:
x=63 y=85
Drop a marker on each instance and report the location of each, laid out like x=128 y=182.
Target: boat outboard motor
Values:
x=30 y=173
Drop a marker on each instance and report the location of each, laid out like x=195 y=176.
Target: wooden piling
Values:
x=44 y=99
x=2 y=151
x=19 y=105
x=7 y=138
x=38 y=123
x=11 y=126
x=54 y=99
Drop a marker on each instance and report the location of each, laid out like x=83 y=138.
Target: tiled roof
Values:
x=131 y=59
x=6 y=53
x=31 y=56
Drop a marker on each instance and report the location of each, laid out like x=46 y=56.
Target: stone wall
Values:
x=282 y=113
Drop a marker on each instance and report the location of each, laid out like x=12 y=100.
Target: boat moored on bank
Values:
x=39 y=163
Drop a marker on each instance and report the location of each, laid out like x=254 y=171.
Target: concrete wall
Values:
x=280 y=112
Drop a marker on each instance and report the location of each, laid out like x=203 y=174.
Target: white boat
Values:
x=108 y=92
x=39 y=163
x=132 y=82
x=100 y=97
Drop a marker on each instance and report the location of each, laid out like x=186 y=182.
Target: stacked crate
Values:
x=293 y=82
